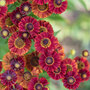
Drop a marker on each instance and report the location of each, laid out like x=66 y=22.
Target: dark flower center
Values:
x=34 y=61
x=49 y=60
x=43 y=7
x=81 y=65
x=19 y=43
x=38 y=86
x=71 y=80
x=29 y=26
x=8 y=21
x=43 y=29
x=27 y=76
x=69 y=68
x=58 y=70
x=58 y=2
x=45 y=42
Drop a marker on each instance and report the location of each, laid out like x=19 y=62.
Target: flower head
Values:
x=71 y=80
x=18 y=45
x=8 y=78
x=29 y=24
x=49 y=61
x=38 y=84
x=25 y=8
x=85 y=53
x=41 y=11
x=82 y=62
x=58 y=6
x=44 y=42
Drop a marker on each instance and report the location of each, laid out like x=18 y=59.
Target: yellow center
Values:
x=18 y=16
x=2 y=2
x=8 y=77
x=17 y=65
x=43 y=29
x=5 y=33
x=71 y=80
x=26 y=8
x=27 y=76
x=84 y=75
x=85 y=54
x=24 y=35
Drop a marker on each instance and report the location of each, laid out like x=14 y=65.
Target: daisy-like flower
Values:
x=82 y=62
x=58 y=6
x=10 y=1
x=7 y=59
x=38 y=84
x=41 y=11
x=4 y=33
x=7 y=23
x=18 y=45
x=84 y=75
x=25 y=8
x=70 y=64
x=59 y=49
x=8 y=78
x=29 y=24
x=71 y=80
x=58 y=73
x=24 y=79
x=85 y=53
x=32 y=60
x=15 y=87
x=17 y=64
x=16 y=16
x=49 y=61
x=3 y=11
x=2 y=3
x=45 y=41
x=45 y=27
x=41 y=2
x=0 y=66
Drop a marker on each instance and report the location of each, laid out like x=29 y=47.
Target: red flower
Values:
x=29 y=24
x=58 y=6
x=49 y=61
x=70 y=64
x=8 y=78
x=84 y=75
x=10 y=1
x=41 y=2
x=58 y=73
x=18 y=45
x=38 y=84
x=45 y=41
x=3 y=11
x=4 y=33
x=71 y=80
x=16 y=16
x=41 y=11
x=17 y=64
x=0 y=66
x=6 y=23
x=45 y=27
x=25 y=8
x=82 y=62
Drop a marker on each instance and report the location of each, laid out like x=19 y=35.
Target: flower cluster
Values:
x=22 y=68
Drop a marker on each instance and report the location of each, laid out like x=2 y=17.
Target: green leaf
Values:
x=83 y=3
x=55 y=33
x=44 y=74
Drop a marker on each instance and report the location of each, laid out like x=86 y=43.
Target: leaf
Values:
x=55 y=33
x=83 y=3
x=44 y=74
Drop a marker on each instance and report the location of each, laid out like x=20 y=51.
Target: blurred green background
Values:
x=72 y=28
